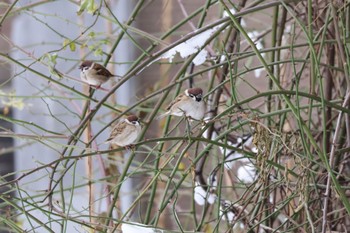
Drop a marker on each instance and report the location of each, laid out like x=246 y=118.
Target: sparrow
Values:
x=125 y=132
x=190 y=104
x=94 y=74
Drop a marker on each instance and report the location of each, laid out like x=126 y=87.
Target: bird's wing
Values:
x=118 y=129
x=176 y=100
x=100 y=70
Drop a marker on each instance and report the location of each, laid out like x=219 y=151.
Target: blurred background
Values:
x=270 y=156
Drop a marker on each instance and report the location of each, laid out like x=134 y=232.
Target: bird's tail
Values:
x=161 y=116
x=117 y=76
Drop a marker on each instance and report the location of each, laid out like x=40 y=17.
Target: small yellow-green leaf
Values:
x=83 y=6
x=181 y=166
x=65 y=42
x=88 y=5
x=72 y=46
x=91 y=34
x=92 y=7
x=52 y=58
x=98 y=52
x=104 y=41
x=14 y=102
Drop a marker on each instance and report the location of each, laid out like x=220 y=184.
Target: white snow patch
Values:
x=226 y=212
x=254 y=35
x=246 y=174
x=133 y=227
x=257 y=72
x=233 y=11
x=205 y=134
x=191 y=46
x=212 y=182
x=227 y=215
x=237 y=156
x=201 y=196
x=233 y=158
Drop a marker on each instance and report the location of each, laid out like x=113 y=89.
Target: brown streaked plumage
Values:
x=189 y=103
x=125 y=132
x=94 y=74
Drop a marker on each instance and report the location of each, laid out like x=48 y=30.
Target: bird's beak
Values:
x=199 y=98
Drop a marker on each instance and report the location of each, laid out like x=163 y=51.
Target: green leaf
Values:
x=91 y=34
x=83 y=6
x=98 y=52
x=88 y=5
x=11 y=100
x=92 y=7
x=70 y=43
x=104 y=41
x=72 y=46
x=53 y=58
x=66 y=42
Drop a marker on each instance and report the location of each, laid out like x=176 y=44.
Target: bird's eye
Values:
x=191 y=95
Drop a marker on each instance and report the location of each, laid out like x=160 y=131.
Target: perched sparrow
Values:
x=125 y=132
x=190 y=103
x=94 y=74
